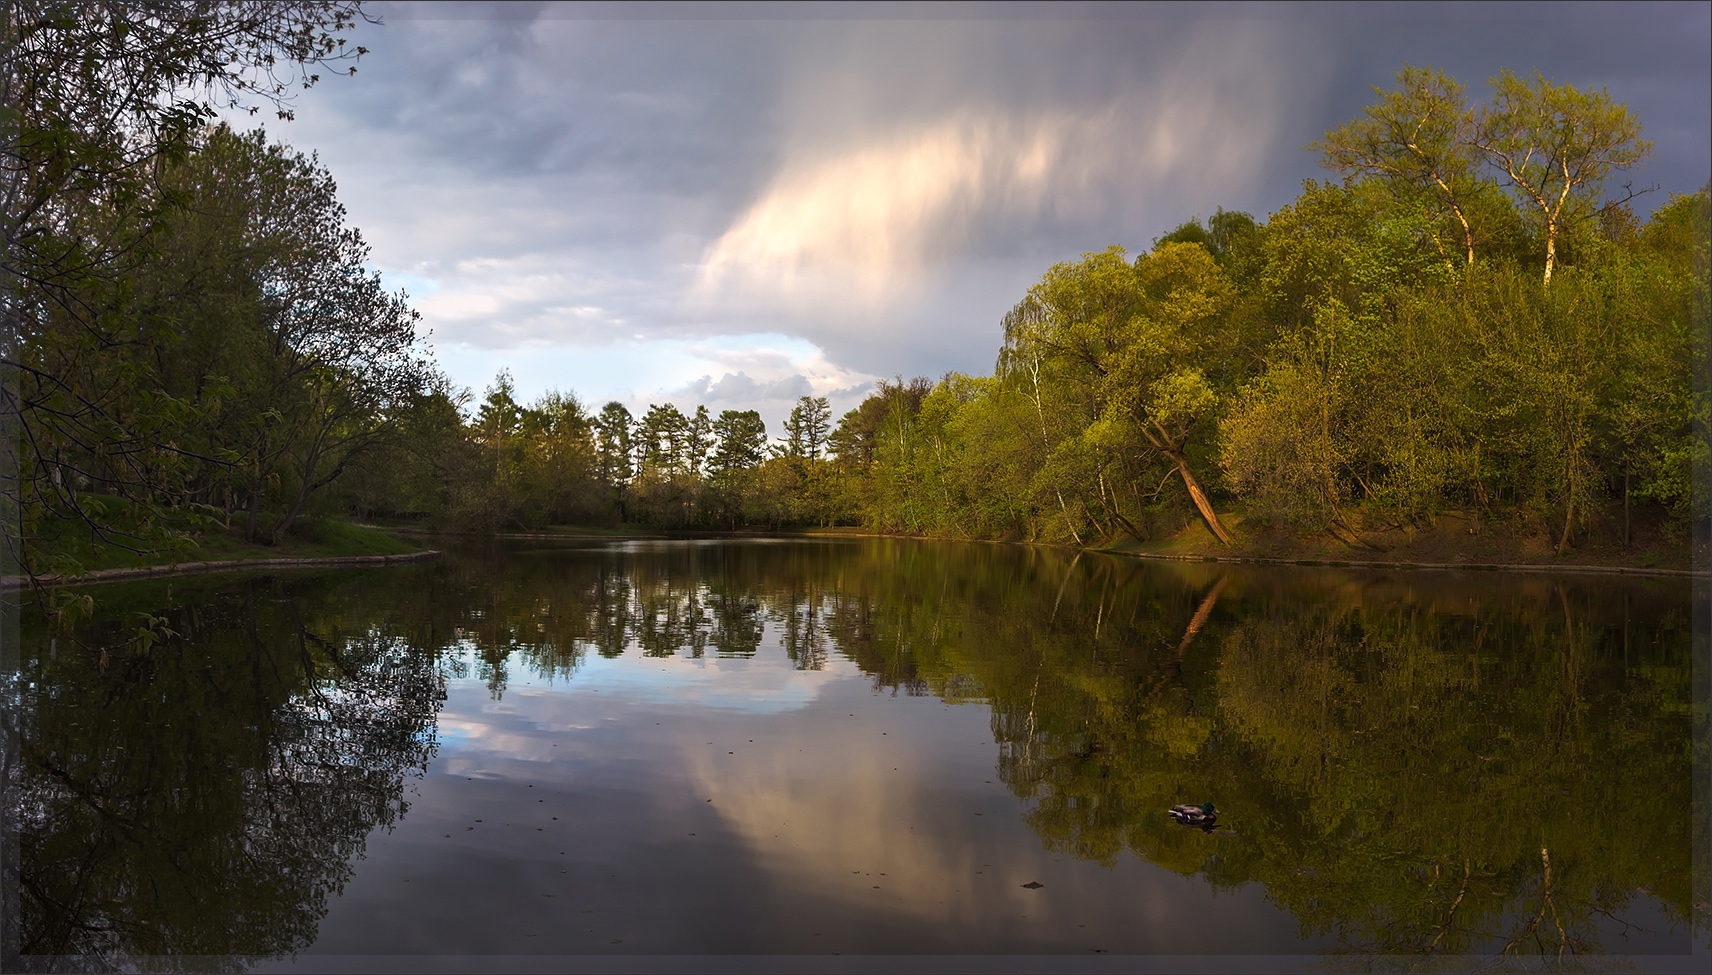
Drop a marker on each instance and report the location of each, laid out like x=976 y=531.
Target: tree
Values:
x=413 y=474
x=665 y=484
x=740 y=449
x=1557 y=145
x=1418 y=141
x=95 y=96
x=661 y=439
x=741 y=441
x=698 y=439
x=613 y=449
x=1140 y=332
x=251 y=357
x=1663 y=410
x=560 y=477
x=1223 y=231
x=857 y=435
x=344 y=351
x=806 y=427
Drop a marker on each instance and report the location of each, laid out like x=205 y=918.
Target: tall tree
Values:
x=806 y=428
x=662 y=439
x=92 y=97
x=741 y=441
x=1558 y=145
x=698 y=439
x=1418 y=141
x=740 y=450
x=1141 y=331
x=613 y=431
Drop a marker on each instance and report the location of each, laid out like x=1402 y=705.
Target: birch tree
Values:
x=1418 y=141
x=1557 y=145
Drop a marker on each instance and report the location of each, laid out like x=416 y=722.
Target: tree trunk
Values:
x=1071 y=522
x=1173 y=448
x=255 y=510
x=305 y=487
x=1200 y=498
x=1129 y=526
x=291 y=516
x=1467 y=233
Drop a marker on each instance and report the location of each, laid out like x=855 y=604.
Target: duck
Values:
x=1202 y=815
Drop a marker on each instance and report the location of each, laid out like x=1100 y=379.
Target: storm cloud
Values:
x=630 y=200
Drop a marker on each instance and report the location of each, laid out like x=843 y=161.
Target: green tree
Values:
x=741 y=441
x=96 y=97
x=560 y=467
x=806 y=428
x=613 y=448
x=698 y=440
x=1557 y=145
x=1418 y=142
x=1224 y=231
x=413 y=474
x=1663 y=406
x=1139 y=334
x=740 y=438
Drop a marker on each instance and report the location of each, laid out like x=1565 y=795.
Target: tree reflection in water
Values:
x=205 y=794
x=1414 y=763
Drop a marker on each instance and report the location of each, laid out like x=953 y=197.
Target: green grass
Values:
x=312 y=538
x=67 y=545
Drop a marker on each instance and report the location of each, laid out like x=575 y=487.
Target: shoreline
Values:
x=1426 y=566
x=1304 y=561
x=1310 y=561
x=14 y=583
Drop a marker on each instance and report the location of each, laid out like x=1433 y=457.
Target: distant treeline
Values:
x=1466 y=321
x=193 y=340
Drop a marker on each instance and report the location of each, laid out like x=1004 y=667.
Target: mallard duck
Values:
x=1202 y=815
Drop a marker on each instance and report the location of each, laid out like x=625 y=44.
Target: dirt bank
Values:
x=1453 y=540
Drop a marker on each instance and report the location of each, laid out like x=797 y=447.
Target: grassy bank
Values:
x=71 y=548
x=545 y=531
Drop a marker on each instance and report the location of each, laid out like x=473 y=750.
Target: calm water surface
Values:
x=861 y=747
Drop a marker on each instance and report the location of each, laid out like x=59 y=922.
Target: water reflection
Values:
x=1414 y=764
x=1404 y=764
x=204 y=792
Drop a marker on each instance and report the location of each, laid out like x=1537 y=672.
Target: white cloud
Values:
x=867 y=221
x=765 y=372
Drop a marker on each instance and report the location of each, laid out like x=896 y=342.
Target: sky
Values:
x=738 y=205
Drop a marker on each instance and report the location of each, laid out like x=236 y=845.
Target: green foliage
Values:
x=1416 y=142
x=1379 y=350
x=1557 y=145
x=115 y=191
x=1330 y=369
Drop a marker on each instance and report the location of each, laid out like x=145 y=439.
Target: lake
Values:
x=819 y=751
